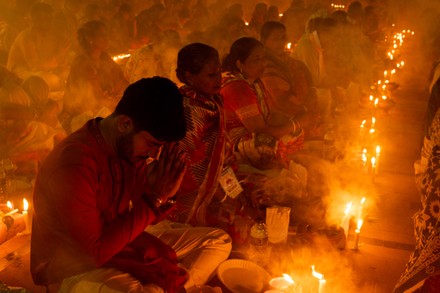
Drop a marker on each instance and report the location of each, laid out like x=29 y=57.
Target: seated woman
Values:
x=198 y=68
x=288 y=81
x=39 y=50
x=95 y=82
x=266 y=147
x=248 y=120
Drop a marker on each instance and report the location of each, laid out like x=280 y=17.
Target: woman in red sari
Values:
x=198 y=67
x=256 y=141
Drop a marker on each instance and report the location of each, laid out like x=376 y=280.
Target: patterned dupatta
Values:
x=204 y=144
x=257 y=87
x=424 y=262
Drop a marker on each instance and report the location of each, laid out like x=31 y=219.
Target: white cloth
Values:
x=199 y=249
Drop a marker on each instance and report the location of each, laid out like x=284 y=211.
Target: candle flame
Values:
x=363 y=200
x=359 y=225
x=316 y=274
x=373 y=120
x=384 y=97
x=280 y=15
x=393 y=71
x=348 y=208
x=378 y=150
x=376 y=102
x=289 y=45
x=288 y=279
x=373 y=162
x=246 y=23
x=371 y=99
x=9 y=205
x=372 y=130
x=25 y=204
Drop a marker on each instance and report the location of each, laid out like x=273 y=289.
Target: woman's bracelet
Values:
x=158 y=201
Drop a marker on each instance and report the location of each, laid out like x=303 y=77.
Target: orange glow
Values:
x=25 y=205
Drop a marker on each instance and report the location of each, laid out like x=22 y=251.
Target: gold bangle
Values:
x=158 y=199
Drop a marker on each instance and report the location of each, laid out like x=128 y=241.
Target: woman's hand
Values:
x=165 y=174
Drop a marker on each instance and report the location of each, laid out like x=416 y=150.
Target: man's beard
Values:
x=124 y=147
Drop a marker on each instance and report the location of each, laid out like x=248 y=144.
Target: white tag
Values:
x=229 y=183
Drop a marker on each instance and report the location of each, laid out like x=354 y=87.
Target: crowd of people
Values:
x=174 y=174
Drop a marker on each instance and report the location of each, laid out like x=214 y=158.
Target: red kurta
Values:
x=82 y=218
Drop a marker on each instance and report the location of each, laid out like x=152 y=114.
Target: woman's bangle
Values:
x=158 y=201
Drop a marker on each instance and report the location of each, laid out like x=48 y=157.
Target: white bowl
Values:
x=242 y=276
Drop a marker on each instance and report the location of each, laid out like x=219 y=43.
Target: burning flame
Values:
x=25 y=204
x=359 y=225
x=316 y=274
x=289 y=45
x=363 y=200
x=378 y=150
x=373 y=162
x=348 y=208
x=9 y=205
x=288 y=279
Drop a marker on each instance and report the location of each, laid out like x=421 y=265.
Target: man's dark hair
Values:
x=155 y=105
x=268 y=27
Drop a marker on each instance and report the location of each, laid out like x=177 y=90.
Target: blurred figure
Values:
x=198 y=68
x=121 y=28
x=28 y=119
x=258 y=17
x=39 y=51
x=356 y=13
x=314 y=47
x=157 y=58
x=247 y=112
x=95 y=82
x=272 y=14
x=294 y=18
x=147 y=27
x=288 y=81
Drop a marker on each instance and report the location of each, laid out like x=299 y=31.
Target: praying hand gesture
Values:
x=165 y=174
